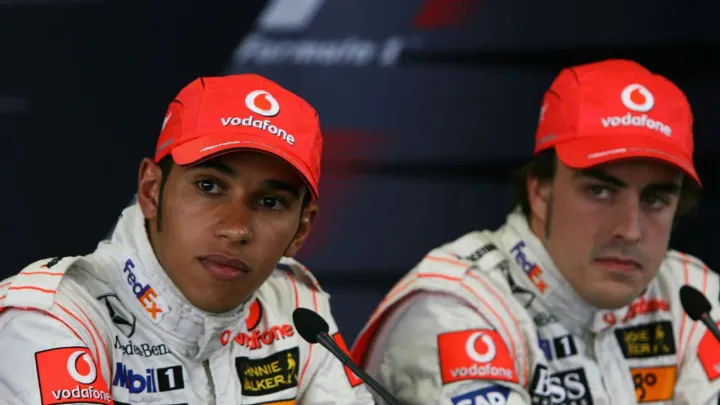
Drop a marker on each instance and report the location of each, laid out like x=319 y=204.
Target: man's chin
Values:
x=215 y=304
x=612 y=305
x=611 y=299
x=214 y=297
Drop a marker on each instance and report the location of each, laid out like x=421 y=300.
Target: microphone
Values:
x=314 y=329
x=697 y=306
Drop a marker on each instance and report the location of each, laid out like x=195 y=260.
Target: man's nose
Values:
x=627 y=226
x=236 y=224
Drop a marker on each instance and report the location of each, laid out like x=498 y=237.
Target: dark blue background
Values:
x=427 y=107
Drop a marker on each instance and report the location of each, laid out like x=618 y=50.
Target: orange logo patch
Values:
x=654 y=383
x=477 y=354
x=69 y=375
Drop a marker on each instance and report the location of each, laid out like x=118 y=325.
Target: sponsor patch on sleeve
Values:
x=648 y=340
x=476 y=354
x=709 y=355
x=69 y=375
x=493 y=395
x=270 y=374
x=654 y=384
x=353 y=379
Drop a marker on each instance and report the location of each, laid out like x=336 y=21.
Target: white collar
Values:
x=185 y=327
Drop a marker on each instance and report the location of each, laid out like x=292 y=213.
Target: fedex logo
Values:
x=533 y=271
x=144 y=293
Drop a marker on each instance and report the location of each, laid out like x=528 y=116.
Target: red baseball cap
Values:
x=616 y=109
x=215 y=115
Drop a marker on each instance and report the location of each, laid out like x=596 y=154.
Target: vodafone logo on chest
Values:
x=257 y=337
x=637 y=98
x=264 y=104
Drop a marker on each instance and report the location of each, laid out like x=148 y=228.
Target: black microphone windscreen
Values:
x=309 y=324
x=694 y=302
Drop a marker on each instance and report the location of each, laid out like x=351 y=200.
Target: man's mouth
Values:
x=619 y=263
x=224 y=267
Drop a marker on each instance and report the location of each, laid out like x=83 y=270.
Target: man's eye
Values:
x=209 y=187
x=599 y=191
x=656 y=201
x=272 y=203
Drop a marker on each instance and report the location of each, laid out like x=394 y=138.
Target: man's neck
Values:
x=537 y=226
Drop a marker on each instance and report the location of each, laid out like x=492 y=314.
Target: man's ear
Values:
x=149 y=182
x=307 y=222
x=539 y=195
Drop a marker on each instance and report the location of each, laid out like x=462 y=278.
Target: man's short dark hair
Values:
x=544 y=165
x=166 y=164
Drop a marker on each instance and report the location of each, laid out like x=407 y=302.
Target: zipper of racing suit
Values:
x=590 y=338
x=211 y=383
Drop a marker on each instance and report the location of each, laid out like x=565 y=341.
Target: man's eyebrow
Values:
x=601 y=175
x=665 y=187
x=669 y=187
x=282 y=185
x=215 y=165
x=272 y=184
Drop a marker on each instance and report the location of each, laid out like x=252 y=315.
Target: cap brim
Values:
x=209 y=146
x=588 y=151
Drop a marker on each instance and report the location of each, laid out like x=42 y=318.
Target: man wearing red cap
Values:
x=190 y=300
x=575 y=299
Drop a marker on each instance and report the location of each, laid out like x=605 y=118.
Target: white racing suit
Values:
x=488 y=319
x=111 y=326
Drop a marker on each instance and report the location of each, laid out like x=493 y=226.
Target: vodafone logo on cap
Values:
x=266 y=105
x=637 y=97
x=262 y=103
